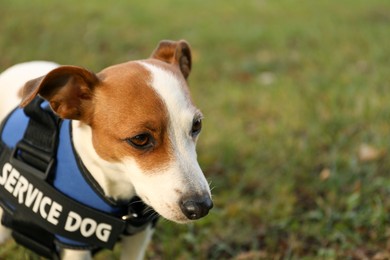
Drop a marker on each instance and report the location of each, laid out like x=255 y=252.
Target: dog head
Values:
x=143 y=127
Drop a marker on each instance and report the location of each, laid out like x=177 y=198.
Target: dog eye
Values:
x=141 y=141
x=196 y=127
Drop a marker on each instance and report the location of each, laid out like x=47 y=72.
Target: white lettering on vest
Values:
x=87 y=226
x=6 y=169
x=32 y=193
x=37 y=201
x=18 y=186
x=20 y=189
x=12 y=178
x=45 y=201
x=45 y=207
x=54 y=213
x=103 y=231
x=73 y=222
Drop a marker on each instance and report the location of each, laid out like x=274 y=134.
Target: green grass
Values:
x=290 y=90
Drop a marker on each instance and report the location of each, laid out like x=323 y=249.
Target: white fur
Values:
x=184 y=173
x=159 y=188
x=134 y=247
x=13 y=79
x=76 y=254
x=5 y=233
x=109 y=175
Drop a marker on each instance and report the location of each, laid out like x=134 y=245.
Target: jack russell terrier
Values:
x=128 y=133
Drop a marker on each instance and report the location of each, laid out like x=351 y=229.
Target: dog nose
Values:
x=196 y=207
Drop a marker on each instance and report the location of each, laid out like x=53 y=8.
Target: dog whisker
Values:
x=162 y=95
x=135 y=202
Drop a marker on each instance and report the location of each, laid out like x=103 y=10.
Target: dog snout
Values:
x=196 y=207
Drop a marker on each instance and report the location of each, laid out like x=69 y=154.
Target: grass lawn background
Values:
x=296 y=102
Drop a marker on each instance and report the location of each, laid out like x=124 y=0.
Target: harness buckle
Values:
x=32 y=160
x=134 y=224
x=139 y=217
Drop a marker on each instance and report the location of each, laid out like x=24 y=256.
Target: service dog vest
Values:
x=44 y=186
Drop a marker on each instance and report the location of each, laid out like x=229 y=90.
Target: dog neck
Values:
x=107 y=174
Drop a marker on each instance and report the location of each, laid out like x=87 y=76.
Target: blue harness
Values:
x=44 y=179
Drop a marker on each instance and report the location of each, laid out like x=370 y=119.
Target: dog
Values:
x=134 y=127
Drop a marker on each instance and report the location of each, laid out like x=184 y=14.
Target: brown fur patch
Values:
x=125 y=106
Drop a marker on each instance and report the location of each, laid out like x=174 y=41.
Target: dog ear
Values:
x=175 y=53
x=69 y=90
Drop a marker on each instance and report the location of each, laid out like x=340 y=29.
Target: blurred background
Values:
x=296 y=101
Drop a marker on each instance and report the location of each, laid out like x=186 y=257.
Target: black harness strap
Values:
x=38 y=147
x=33 y=159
